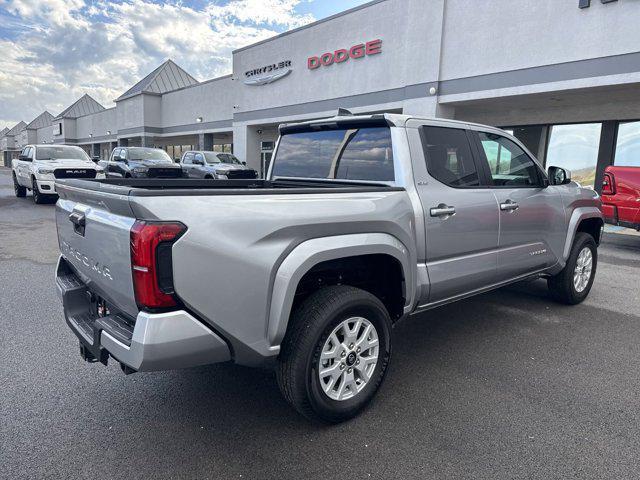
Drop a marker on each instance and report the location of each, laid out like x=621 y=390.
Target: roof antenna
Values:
x=343 y=112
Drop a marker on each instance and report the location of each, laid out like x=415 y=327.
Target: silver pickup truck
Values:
x=362 y=221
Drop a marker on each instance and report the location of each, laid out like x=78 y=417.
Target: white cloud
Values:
x=66 y=48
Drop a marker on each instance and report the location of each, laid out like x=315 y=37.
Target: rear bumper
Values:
x=151 y=341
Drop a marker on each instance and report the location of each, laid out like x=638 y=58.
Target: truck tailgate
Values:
x=94 y=237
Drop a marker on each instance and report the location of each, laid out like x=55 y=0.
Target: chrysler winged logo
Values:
x=268 y=73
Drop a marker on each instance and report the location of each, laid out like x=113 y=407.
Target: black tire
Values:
x=561 y=286
x=38 y=198
x=310 y=326
x=17 y=188
x=208 y=177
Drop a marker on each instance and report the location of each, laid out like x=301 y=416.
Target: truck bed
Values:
x=179 y=186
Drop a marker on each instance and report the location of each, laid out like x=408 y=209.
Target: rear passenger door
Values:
x=532 y=221
x=461 y=215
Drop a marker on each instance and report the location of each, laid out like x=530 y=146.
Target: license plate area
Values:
x=89 y=315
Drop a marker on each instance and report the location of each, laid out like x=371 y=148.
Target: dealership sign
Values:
x=268 y=73
x=341 y=55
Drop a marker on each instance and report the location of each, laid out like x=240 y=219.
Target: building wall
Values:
x=410 y=31
x=212 y=100
x=97 y=124
x=44 y=135
x=504 y=35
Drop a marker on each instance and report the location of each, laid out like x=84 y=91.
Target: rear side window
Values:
x=509 y=165
x=449 y=158
x=349 y=154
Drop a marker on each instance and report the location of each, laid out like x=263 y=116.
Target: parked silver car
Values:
x=205 y=164
x=362 y=221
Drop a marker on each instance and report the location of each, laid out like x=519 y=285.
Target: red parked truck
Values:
x=621 y=196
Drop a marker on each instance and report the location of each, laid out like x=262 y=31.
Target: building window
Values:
x=575 y=148
x=628 y=145
x=224 y=148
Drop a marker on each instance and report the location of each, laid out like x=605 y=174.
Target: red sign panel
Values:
x=342 y=55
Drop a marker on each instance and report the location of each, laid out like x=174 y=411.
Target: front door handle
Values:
x=509 y=206
x=442 y=210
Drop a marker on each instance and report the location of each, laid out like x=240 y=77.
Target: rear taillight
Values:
x=151 y=262
x=608 y=185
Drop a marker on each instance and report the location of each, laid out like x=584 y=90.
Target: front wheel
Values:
x=38 y=197
x=335 y=354
x=573 y=283
x=19 y=190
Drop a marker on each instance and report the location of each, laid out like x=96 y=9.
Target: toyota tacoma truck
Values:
x=361 y=221
x=39 y=166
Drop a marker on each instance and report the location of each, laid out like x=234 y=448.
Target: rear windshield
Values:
x=349 y=154
x=60 y=152
x=148 y=154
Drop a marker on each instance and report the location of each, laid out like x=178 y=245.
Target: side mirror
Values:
x=559 y=176
x=244 y=163
x=95 y=159
x=177 y=160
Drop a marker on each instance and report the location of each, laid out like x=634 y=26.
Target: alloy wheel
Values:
x=582 y=272
x=348 y=358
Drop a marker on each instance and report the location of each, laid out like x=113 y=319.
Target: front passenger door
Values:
x=461 y=216
x=532 y=222
x=22 y=167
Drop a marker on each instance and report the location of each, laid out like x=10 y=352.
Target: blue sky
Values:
x=54 y=51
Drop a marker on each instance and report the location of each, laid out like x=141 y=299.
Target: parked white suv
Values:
x=38 y=166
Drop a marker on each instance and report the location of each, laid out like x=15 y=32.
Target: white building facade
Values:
x=563 y=75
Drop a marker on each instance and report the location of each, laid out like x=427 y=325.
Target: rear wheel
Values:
x=17 y=188
x=573 y=284
x=37 y=196
x=335 y=354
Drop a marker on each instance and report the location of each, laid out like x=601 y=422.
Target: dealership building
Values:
x=561 y=75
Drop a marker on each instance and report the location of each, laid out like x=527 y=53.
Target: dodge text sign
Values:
x=342 y=55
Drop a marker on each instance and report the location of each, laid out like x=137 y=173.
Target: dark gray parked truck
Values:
x=362 y=221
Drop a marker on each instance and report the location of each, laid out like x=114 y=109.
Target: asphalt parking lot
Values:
x=504 y=385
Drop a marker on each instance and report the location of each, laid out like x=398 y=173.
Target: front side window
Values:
x=199 y=158
x=349 y=154
x=449 y=158
x=628 y=145
x=61 y=152
x=509 y=165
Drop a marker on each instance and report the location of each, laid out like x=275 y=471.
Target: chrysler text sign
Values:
x=341 y=55
x=268 y=73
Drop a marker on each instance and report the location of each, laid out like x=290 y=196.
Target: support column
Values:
x=95 y=150
x=205 y=141
x=246 y=145
x=146 y=141
x=606 y=151
x=123 y=142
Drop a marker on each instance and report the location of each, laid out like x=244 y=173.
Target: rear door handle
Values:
x=442 y=210
x=509 y=206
